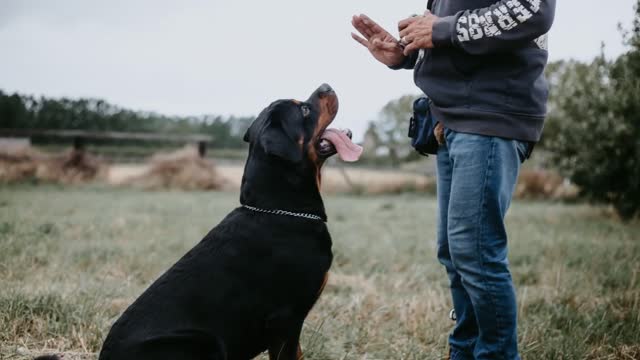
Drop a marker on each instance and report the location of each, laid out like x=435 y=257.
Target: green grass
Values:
x=72 y=259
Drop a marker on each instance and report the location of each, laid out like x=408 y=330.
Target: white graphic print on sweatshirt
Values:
x=493 y=22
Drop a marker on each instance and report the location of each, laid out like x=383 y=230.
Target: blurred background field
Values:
x=72 y=258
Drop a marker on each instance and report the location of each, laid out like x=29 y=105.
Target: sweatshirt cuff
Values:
x=407 y=63
x=402 y=65
x=443 y=31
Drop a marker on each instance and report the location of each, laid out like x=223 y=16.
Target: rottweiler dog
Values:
x=248 y=285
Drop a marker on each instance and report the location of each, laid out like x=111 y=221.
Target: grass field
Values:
x=72 y=259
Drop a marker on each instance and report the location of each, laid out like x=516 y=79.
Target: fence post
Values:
x=202 y=148
x=79 y=143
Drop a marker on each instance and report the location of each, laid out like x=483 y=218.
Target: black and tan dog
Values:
x=249 y=284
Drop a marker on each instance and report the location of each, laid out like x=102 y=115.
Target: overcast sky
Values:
x=191 y=57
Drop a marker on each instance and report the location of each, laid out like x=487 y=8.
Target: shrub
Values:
x=593 y=130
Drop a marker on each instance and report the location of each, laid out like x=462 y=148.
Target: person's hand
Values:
x=438 y=131
x=382 y=45
x=416 y=32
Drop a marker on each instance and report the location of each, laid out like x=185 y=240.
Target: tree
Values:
x=392 y=126
x=13 y=111
x=21 y=112
x=593 y=130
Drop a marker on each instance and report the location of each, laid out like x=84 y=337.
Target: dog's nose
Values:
x=325 y=88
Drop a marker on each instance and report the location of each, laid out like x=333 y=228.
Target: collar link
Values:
x=284 y=212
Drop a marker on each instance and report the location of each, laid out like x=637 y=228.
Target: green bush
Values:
x=593 y=130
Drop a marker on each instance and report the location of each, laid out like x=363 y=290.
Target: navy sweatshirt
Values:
x=485 y=74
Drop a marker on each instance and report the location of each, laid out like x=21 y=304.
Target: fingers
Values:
x=406 y=31
x=373 y=26
x=384 y=45
x=359 y=39
x=403 y=24
x=362 y=28
x=410 y=48
x=377 y=43
x=408 y=44
x=408 y=39
x=417 y=45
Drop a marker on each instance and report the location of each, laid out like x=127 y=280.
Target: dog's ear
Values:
x=259 y=122
x=246 y=137
x=283 y=133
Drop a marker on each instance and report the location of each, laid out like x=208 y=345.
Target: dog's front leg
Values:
x=286 y=347
x=285 y=351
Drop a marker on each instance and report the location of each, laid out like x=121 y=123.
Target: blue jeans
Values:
x=476 y=179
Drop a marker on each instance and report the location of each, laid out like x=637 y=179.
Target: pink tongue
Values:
x=347 y=150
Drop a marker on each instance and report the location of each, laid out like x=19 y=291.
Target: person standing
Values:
x=481 y=62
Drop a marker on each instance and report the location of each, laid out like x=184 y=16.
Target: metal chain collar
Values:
x=284 y=212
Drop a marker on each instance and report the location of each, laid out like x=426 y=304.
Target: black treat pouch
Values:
x=422 y=128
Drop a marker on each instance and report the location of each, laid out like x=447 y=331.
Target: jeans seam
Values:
x=481 y=231
x=449 y=138
x=457 y=355
x=447 y=132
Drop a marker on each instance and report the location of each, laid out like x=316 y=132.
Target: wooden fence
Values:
x=81 y=137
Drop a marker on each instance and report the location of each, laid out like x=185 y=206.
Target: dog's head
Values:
x=297 y=131
x=288 y=144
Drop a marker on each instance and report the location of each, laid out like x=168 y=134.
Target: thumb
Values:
x=427 y=12
x=384 y=45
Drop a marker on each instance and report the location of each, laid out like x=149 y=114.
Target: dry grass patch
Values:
x=544 y=184
x=182 y=169
x=70 y=167
x=373 y=182
x=229 y=177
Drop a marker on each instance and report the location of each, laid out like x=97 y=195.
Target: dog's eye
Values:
x=305 y=111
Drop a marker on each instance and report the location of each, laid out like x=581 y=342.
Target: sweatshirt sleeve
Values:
x=505 y=25
x=408 y=63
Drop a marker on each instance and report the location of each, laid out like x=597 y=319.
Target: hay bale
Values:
x=18 y=164
x=70 y=167
x=183 y=169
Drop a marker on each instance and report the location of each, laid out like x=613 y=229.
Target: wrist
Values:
x=399 y=65
x=443 y=30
